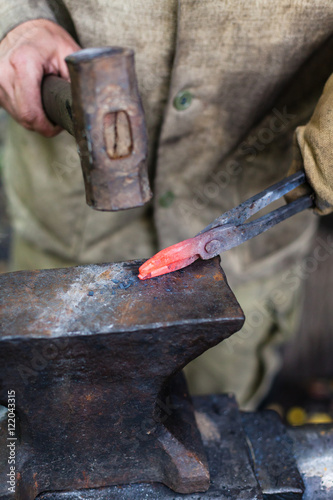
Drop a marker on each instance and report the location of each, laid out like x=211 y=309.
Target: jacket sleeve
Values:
x=15 y=12
x=314 y=152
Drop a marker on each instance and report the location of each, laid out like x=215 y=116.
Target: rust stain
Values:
x=194 y=456
x=35 y=481
x=105 y=274
x=85 y=479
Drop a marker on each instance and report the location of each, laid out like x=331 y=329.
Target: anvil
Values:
x=94 y=356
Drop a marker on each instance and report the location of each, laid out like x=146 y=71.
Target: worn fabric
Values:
x=254 y=71
x=313 y=152
x=247 y=363
x=232 y=141
x=14 y=13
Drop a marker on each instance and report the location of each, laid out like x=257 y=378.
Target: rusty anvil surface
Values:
x=92 y=353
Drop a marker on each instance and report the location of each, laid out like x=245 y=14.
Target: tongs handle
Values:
x=258 y=226
x=249 y=207
x=219 y=237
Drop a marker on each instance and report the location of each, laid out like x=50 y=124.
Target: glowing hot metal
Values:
x=230 y=229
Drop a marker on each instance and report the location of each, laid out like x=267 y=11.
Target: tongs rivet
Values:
x=213 y=246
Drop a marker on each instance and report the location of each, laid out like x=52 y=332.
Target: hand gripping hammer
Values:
x=101 y=107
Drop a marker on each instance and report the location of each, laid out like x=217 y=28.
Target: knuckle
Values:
x=27 y=117
x=19 y=56
x=47 y=131
x=43 y=126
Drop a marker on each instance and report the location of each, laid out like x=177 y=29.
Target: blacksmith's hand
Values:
x=27 y=53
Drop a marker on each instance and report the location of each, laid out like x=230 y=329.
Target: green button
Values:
x=182 y=100
x=166 y=199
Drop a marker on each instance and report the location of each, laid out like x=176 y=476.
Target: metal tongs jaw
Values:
x=230 y=229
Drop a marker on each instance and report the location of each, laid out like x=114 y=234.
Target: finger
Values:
x=27 y=95
x=61 y=63
x=6 y=87
x=63 y=69
x=6 y=100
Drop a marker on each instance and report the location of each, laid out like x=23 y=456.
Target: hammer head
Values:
x=109 y=127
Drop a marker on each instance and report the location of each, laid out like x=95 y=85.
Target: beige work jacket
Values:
x=224 y=84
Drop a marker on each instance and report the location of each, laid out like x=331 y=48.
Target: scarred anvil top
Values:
x=109 y=298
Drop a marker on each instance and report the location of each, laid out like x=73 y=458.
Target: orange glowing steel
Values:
x=170 y=259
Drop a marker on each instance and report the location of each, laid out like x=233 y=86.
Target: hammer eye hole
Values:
x=118 y=135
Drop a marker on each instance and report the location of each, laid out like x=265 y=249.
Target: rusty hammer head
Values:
x=109 y=127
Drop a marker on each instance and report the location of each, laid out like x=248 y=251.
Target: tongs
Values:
x=230 y=229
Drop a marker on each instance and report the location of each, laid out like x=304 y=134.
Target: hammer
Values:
x=101 y=108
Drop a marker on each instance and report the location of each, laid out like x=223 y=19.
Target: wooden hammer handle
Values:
x=57 y=101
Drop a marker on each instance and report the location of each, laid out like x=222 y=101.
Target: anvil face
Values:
x=91 y=352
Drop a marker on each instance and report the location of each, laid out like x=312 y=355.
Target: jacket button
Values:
x=166 y=200
x=182 y=100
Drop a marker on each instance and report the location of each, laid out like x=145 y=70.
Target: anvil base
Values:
x=250 y=456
